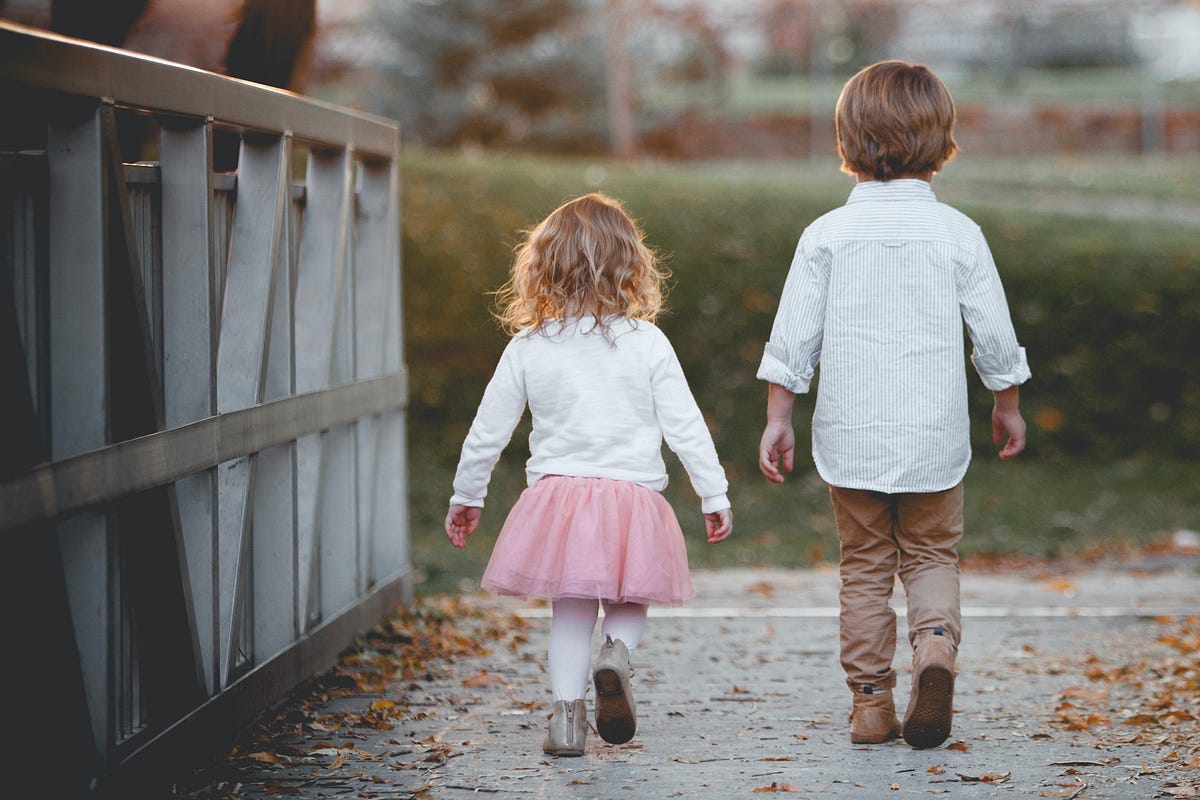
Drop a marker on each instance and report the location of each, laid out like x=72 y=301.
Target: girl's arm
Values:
x=461 y=522
x=499 y=412
x=718 y=524
x=684 y=429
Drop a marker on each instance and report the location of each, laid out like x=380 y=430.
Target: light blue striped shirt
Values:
x=877 y=293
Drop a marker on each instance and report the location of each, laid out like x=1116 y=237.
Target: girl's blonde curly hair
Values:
x=588 y=257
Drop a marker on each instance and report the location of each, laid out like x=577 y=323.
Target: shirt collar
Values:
x=897 y=189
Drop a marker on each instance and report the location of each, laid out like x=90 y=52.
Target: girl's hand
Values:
x=461 y=522
x=718 y=524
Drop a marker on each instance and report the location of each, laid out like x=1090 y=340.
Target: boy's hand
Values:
x=718 y=524
x=461 y=522
x=1006 y=419
x=778 y=444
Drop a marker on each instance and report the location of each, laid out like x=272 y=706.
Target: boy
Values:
x=878 y=292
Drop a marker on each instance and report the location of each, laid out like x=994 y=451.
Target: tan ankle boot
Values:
x=931 y=704
x=568 y=729
x=616 y=712
x=873 y=718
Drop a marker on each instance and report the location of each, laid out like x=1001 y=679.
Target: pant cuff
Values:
x=882 y=684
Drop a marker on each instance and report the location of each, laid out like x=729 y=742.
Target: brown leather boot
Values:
x=931 y=704
x=873 y=717
x=568 y=729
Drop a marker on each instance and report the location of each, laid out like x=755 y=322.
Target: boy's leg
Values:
x=868 y=572
x=928 y=529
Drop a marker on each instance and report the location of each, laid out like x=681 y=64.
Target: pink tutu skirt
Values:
x=591 y=538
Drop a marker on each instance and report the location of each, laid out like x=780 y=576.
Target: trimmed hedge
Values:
x=1108 y=311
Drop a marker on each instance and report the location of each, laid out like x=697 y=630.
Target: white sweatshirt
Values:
x=601 y=408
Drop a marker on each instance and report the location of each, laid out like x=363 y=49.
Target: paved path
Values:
x=739 y=694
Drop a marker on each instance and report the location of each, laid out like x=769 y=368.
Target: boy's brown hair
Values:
x=892 y=119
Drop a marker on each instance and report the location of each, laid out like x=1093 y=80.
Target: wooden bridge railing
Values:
x=202 y=473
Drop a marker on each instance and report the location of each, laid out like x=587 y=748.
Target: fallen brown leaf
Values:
x=762 y=588
x=484 y=678
x=268 y=758
x=1141 y=719
x=1187 y=791
x=987 y=777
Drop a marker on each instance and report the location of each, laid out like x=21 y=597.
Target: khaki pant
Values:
x=881 y=534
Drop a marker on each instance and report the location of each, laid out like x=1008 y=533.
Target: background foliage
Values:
x=484 y=72
x=1109 y=312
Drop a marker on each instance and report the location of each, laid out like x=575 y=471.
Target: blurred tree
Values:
x=619 y=79
x=819 y=36
x=495 y=72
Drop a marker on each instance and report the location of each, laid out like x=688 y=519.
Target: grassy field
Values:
x=1109 y=310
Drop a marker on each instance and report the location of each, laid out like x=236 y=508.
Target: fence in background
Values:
x=202 y=476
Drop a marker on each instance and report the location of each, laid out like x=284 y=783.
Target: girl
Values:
x=604 y=387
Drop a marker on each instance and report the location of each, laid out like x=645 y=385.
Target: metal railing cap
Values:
x=53 y=62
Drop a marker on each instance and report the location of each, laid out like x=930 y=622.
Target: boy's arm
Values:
x=997 y=356
x=791 y=354
x=778 y=442
x=1007 y=419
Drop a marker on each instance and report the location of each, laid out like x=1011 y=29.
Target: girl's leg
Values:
x=624 y=621
x=616 y=711
x=571 y=628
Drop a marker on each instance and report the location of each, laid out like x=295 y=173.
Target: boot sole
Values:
x=563 y=753
x=929 y=723
x=614 y=718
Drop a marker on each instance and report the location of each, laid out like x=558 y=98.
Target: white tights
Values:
x=571 y=639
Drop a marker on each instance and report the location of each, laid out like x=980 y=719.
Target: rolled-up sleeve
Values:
x=790 y=357
x=998 y=358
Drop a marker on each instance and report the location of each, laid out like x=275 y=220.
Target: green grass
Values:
x=1173 y=177
x=1109 y=311
x=1023 y=508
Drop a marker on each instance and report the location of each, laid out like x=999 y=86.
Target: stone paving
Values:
x=739 y=693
